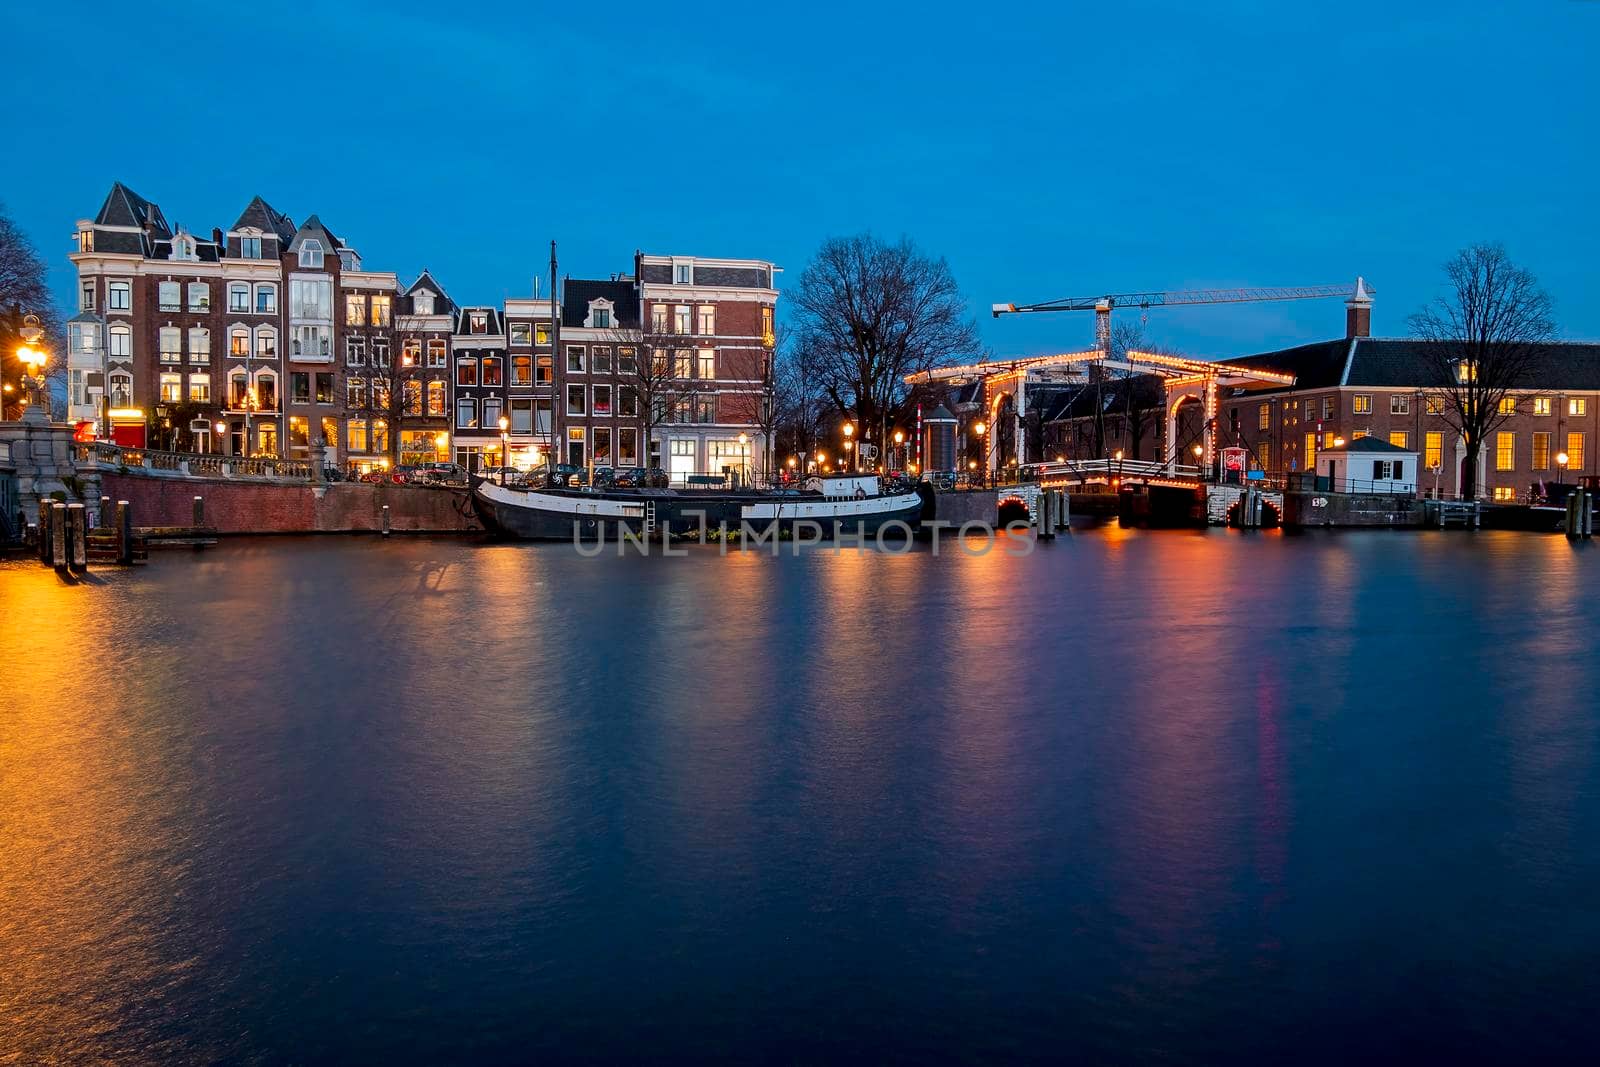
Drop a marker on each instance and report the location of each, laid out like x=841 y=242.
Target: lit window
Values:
x=602 y=400
x=1541 y=405
x=1400 y=439
x=681 y=318
x=541 y=333
x=239 y=342
x=544 y=370
x=682 y=363
x=1363 y=404
x=412 y=392
x=1504 y=451
x=658 y=318
x=492 y=371
x=355 y=308
x=466 y=372
x=199 y=388
x=355 y=393
x=1466 y=371
x=172 y=388
x=1577 y=405
x=1327 y=409
x=1434 y=405
x=627 y=361
x=1310 y=455
x=1541 y=451
x=410 y=352
x=1575 y=451
x=1399 y=404
x=1504 y=492
x=766 y=323
x=436 y=354
x=707 y=363
x=1264 y=418
x=266 y=343
x=522 y=370
x=1508 y=405
x=171 y=344
x=380 y=311
x=436 y=398
x=1433 y=443
x=708 y=319
x=356 y=430
x=86 y=240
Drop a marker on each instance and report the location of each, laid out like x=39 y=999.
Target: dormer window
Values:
x=599 y=314
x=348 y=260
x=183 y=248
x=249 y=248
x=680 y=273
x=422 y=301
x=478 y=321
x=86 y=240
x=311 y=253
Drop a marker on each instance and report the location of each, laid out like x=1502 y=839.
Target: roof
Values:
x=441 y=306
x=577 y=292
x=1315 y=366
x=1369 y=444
x=1406 y=363
x=940 y=414
x=313 y=227
x=124 y=207
x=260 y=215
x=494 y=327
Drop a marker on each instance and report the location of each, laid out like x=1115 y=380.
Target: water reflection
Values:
x=1144 y=795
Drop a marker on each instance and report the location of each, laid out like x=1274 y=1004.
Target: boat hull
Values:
x=567 y=515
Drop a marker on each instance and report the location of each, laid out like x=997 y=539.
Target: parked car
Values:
x=630 y=478
x=504 y=475
x=657 y=478
x=442 y=474
x=565 y=475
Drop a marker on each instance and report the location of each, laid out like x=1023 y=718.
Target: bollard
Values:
x=58 y=535
x=199 y=512
x=386 y=520
x=107 y=513
x=1047 y=507
x=46 y=507
x=77 y=537
x=124 y=532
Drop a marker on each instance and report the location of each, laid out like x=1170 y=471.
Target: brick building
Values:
x=599 y=415
x=714 y=319
x=530 y=379
x=478 y=356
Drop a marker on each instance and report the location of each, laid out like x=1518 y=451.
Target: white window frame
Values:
x=311 y=253
x=121 y=286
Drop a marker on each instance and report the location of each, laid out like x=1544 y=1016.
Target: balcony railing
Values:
x=105 y=454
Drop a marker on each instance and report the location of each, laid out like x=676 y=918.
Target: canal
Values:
x=1187 y=797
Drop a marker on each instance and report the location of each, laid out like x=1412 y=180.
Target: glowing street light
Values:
x=33 y=359
x=1562 y=459
x=1338 y=442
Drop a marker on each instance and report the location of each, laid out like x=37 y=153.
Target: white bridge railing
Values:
x=1115 y=468
x=210 y=464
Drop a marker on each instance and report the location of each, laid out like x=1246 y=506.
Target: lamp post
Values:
x=505 y=446
x=899 y=441
x=222 y=429
x=33 y=359
x=441 y=442
x=1562 y=459
x=980 y=428
x=849 y=432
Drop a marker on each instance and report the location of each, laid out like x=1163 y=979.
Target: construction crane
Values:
x=1102 y=306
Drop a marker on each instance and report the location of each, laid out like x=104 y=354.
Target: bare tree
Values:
x=22 y=292
x=869 y=313
x=1483 y=336
x=656 y=365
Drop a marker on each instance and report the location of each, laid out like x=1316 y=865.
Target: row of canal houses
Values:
x=273 y=339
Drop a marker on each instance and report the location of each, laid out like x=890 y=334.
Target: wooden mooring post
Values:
x=77 y=538
x=106 y=512
x=199 y=512
x=385 y=520
x=1580 y=514
x=58 y=535
x=124 y=523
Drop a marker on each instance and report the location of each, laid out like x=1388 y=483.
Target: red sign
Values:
x=83 y=430
x=1234 y=459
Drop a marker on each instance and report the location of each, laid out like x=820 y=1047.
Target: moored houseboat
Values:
x=827 y=506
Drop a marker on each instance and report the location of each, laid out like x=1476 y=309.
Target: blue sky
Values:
x=1065 y=151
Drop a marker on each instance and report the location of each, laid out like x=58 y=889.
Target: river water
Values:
x=1184 y=797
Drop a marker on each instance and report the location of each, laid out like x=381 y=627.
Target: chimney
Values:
x=216 y=236
x=1358 y=311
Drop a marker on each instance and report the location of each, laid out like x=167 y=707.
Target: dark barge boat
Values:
x=827 y=506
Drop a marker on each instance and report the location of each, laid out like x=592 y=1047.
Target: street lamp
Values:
x=505 y=446
x=222 y=428
x=899 y=440
x=1338 y=442
x=1562 y=459
x=33 y=360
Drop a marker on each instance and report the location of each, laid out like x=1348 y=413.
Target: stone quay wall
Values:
x=1302 y=508
x=259 y=507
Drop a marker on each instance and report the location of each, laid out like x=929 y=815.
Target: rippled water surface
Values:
x=1135 y=796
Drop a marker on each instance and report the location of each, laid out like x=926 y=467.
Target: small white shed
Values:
x=1368 y=465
